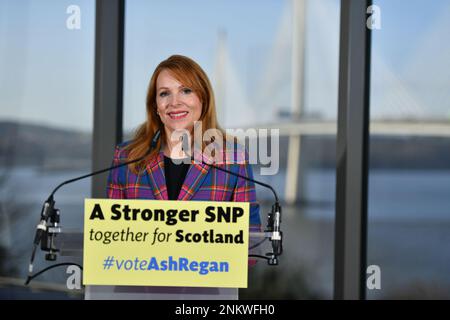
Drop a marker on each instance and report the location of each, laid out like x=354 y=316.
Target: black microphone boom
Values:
x=152 y=146
x=273 y=231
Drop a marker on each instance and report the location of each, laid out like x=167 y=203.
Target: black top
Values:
x=175 y=175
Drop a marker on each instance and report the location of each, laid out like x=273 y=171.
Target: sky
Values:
x=47 y=70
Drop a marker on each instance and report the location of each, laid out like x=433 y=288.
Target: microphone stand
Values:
x=46 y=230
x=49 y=225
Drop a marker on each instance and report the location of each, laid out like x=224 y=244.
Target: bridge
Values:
x=397 y=109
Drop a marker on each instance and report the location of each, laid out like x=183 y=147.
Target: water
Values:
x=393 y=194
x=409 y=223
x=25 y=191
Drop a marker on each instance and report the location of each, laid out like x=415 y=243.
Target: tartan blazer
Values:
x=202 y=182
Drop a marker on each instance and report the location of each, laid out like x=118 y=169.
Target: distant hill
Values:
x=386 y=152
x=30 y=144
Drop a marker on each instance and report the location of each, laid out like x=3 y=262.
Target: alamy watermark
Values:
x=73 y=21
x=374 y=20
x=374 y=277
x=73 y=281
x=254 y=146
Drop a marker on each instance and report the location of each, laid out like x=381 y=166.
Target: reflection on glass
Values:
x=46 y=95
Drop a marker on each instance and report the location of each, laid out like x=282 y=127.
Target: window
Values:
x=409 y=177
x=247 y=50
x=46 y=107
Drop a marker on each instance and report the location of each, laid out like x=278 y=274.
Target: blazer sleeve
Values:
x=115 y=183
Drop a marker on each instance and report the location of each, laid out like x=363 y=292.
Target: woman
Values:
x=179 y=94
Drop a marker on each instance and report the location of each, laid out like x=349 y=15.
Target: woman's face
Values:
x=178 y=106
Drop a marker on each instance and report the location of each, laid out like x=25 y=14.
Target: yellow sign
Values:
x=165 y=243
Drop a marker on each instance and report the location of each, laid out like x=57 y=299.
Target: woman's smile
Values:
x=178 y=115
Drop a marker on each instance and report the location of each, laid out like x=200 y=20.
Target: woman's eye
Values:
x=163 y=94
x=187 y=90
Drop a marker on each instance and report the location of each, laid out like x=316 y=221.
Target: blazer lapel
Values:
x=155 y=171
x=194 y=178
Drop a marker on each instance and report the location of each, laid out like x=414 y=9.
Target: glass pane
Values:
x=246 y=48
x=46 y=107
x=409 y=178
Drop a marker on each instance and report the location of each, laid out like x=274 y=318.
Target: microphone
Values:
x=272 y=231
x=49 y=212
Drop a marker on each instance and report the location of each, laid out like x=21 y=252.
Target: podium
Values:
x=71 y=245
